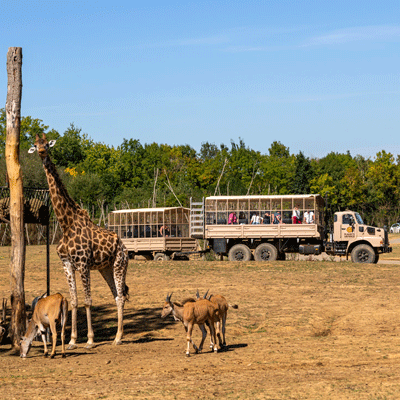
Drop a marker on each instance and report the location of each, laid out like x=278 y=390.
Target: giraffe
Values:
x=84 y=247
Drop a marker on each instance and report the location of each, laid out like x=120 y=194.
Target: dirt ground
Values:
x=303 y=330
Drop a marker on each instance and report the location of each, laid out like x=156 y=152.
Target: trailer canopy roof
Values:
x=162 y=209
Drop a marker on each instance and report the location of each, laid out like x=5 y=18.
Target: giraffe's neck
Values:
x=64 y=206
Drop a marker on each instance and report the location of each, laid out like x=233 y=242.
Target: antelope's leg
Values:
x=204 y=335
x=189 y=331
x=53 y=338
x=46 y=351
x=223 y=330
x=212 y=333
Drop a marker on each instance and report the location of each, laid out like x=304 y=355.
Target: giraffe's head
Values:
x=42 y=146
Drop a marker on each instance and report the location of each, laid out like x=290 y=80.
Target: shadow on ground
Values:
x=105 y=322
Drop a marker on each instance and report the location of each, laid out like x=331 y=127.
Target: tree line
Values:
x=134 y=174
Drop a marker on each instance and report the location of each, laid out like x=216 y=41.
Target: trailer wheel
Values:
x=239 y=252
x=161 y=257
x=363 y=254
x=266 y=252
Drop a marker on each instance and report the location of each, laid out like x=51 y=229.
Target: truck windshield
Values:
x=359 y=219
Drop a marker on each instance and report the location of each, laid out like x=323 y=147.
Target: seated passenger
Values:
x=277 y=218
x=232 y=218
x=296 y=216
x=256 y=219
x=164 y=231
x=309 y=217
x=267 y=218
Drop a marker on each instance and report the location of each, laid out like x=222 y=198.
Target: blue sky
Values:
x=318 y=76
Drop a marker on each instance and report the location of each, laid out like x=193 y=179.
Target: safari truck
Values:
x=263 y=228
x=154 y=233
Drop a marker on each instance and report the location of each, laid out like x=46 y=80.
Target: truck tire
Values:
x=266 y=252
x=363 y=254
x=161 y=257
x=239 y=252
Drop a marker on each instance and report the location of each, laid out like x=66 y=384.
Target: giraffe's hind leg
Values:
x=120 y=268
x=115 y=278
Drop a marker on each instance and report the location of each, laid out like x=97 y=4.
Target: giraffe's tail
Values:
x=126 y=293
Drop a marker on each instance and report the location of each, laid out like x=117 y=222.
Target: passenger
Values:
x=242 y=218
x=277 y=218
x=232 y=218
x=256 y=219
x=267 y=218
x=164 y=230
x=296 y=216
x=309 y=217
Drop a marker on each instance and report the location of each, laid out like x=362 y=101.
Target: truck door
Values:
x=347 y=228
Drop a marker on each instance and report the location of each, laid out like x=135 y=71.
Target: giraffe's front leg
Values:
x=70 y=275
x=85 y=276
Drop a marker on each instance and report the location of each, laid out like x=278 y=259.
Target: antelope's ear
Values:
x=52 y=143
x=32 y=149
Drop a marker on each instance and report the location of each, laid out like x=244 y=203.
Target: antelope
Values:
x=222 y=306
x=48 y=312
x=3 y=325
x=193 y=313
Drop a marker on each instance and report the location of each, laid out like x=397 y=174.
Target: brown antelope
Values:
x=193 y=313
x=48 y=312
x=3 y=325
x=223 y=306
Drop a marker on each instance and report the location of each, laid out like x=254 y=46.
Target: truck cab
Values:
x=352 y=237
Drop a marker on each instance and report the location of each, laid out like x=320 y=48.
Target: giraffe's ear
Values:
x=32 y=149
x=52 y=143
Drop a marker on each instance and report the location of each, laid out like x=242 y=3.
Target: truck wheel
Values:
x=266 y=252
x=161 y=257
x=363 y=254
x=239 y=252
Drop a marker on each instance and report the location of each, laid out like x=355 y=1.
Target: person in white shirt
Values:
x=256 y=219
x=296 y=216
x=309 y=217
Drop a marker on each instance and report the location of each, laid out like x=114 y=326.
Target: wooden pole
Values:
x=17 y=267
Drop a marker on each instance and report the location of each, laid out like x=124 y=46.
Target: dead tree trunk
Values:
x=17 y=267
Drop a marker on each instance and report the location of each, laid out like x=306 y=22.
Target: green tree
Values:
x=302 y=175
x=383 y=180
x=30 y=127
x=69 y=150
x=277 y=169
